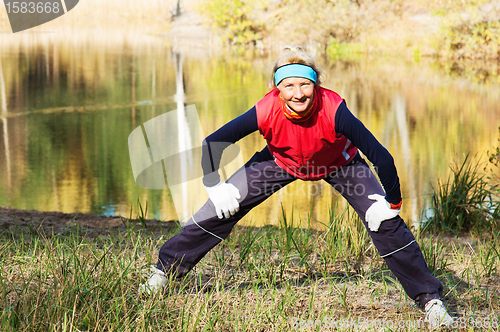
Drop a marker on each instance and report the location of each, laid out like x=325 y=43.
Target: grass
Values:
x=259 y=279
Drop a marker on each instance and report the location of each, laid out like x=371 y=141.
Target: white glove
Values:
x=379 y=211
x=224 y=196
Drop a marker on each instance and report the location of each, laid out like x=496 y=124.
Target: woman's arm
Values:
x=349 y=126
x=214 y=144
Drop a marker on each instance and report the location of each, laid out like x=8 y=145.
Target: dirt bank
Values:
x=51 y=223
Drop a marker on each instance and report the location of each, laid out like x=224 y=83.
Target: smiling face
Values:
x=297 y=93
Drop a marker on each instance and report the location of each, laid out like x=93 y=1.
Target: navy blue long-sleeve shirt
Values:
x=345 y=123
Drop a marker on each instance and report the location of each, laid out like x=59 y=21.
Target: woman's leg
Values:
x=258 y=179
x=394 y=240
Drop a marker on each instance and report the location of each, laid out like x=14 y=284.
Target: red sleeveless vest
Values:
x=309 y=150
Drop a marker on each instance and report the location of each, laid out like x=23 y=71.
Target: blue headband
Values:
x=294 y=70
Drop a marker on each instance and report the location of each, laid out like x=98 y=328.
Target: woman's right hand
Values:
x=225 y=198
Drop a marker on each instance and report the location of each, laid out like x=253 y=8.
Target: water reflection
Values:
x=399 y=107
x=67 y=111
x=185 y=144
x=5 y=126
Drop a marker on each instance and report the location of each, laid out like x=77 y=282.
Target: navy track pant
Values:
x=259 y=178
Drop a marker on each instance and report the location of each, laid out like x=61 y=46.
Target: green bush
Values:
x=472 y=34
x=465 y=202
x=475 y=40
x=235 y=18
x=336 y=50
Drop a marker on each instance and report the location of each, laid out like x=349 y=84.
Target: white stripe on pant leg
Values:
x=206 y=230
x=395 y=251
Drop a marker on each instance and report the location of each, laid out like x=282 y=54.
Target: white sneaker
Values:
x=156 y=282
x=436 y=314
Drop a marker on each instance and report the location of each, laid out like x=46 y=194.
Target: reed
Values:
x=465 y=201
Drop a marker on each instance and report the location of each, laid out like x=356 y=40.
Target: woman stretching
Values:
x=310 y=135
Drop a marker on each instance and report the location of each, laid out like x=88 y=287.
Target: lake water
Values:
x=69 y=106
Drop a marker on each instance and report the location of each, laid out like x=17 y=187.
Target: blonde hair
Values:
x=295 y=54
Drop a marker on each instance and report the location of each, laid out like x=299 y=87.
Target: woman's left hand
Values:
x=225 y=197
x=379 y=211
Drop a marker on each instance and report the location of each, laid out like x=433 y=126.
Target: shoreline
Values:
x=53 y=222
